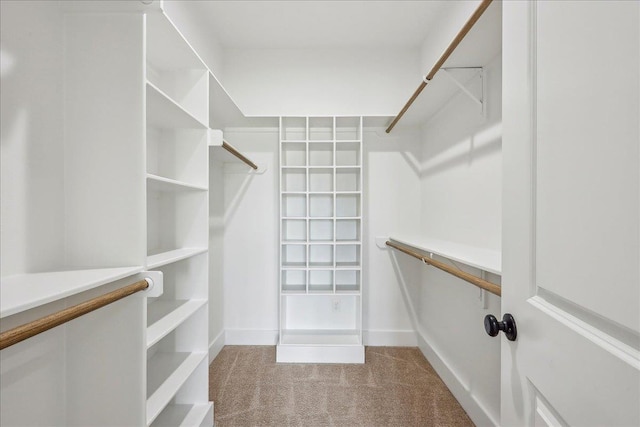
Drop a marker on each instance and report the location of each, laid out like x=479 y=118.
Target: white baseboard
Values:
x=390 y=338
x=251 y=337
x=216 y=345
x=476 y=411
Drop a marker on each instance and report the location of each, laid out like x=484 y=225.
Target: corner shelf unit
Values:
x=320 y=284
x=177 y=123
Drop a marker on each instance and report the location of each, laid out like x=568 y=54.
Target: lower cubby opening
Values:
x=294 y=281
x=347 y=281
x=189 y=406
x=173 y=360
x=294 y=255
x=320 y=281
x=173 y=220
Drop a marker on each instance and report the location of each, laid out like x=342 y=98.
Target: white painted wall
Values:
x=193 y=27
x=251 y=240
x=281 y=82
x=443 y=30
x=461 y=189
x=391 y=189
x=31 y=128
x=392 y=205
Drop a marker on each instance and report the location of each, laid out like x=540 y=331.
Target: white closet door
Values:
x=571 y=258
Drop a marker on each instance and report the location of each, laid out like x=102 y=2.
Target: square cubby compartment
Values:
x=294 y=179
x=294 y=154
x=320 y=255
x=348 y=129
x=294 y=281
x=294 y=230
x=321 y=129
x=348 y=179
x=347 y=280
x=294 y=205
x=348 y=154
x=347 y=229
x=320 y=205
x=294 y=129
x=320 y=230
x=320 y=154
x=321 y=180
x=294 y=255
x=320 y=281
x=348 y=205
x=347 y=255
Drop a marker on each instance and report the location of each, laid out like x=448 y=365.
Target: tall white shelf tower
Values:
x=320 y=240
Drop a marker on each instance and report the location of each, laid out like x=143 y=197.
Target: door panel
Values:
x=571 y=260
x=586 y=155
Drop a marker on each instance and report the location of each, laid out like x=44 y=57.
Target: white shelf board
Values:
x=160 y=183
x=177 y=415
x=25 y=291
x=481 y=258
x=168 y=257
x=477 y=49
x=166 y=315
x=166 y=373
x=164 y=112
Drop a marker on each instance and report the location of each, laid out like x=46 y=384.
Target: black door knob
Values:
x=507 y=325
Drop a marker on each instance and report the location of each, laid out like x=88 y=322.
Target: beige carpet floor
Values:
x=395 y=387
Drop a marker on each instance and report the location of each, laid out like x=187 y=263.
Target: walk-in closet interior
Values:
x=458 y=177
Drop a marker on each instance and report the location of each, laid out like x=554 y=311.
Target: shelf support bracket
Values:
x=478 y=100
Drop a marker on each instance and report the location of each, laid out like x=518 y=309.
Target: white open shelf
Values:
x=181 y=415
x=160 y=183
x=166 y=315
x=171 y=256
x=484 y=259
x=166 y=373
x=164 y=112
x=25 y=291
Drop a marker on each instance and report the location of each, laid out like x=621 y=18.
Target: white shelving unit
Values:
x=177 y=122
x=321 y=240
x=132 y=178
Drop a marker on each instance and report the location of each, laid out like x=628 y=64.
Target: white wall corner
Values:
x=251 y=337
x=476 y=411
x=390 y=338
x=216 y=345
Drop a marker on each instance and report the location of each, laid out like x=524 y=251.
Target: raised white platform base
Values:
x=329 y=346
x=296 y=353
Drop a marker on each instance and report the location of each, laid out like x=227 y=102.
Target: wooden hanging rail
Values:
x=477 y=281
x=236 y=153
x=452 y=46
x=28 y=330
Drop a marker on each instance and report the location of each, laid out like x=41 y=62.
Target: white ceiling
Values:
x=319 y=24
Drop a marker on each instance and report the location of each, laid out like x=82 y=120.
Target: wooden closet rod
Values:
x=28 y=330
x=481 y=283
x=236 y=153
x=452 y=46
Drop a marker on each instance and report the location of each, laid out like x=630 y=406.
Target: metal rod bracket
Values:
x=480 y=100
